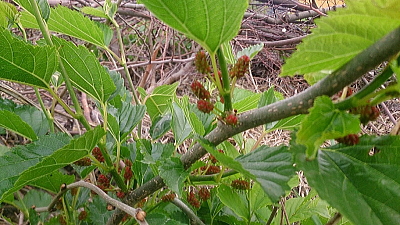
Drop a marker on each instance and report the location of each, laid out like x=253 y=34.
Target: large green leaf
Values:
x=158 y=101
x=234 y=200
x=7 y=14
x=208 y=22
x=13 y=122
x=85 y=71
x=70 y=22
x=20 y=158
x=341 y=36
x=75 y=150
x=25 y=63
x=272 y=167
x=325 y=122
x=365 y=188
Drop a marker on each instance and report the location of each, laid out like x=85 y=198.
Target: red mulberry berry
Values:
x=367 y=113
x=231 y=119
x=120 y=194
x=168 y=197
x=83 y=162
x=128 y=162
x=128 y=173
x=192 y=199
x=351 y=139
x=241 y=67
x=204 y=194
x=199 y=90
x=240 y=184
x=96 y=152
x=102 y=180
x=201 y=63
x=205 y=106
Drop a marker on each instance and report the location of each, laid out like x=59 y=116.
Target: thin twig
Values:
x=334 y=219
x=192 y=216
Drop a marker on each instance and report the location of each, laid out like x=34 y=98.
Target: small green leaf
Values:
x=173 y=174
x=158 y=101
x=250 y=51
x=25 y=63
x=235 y=201
x=7 y=14
x=341 y=36
x=75 y=150
x=325 y=122
x=180 y=125
x=371 y=181
x=44 y=8
x=13 y=122
x=85 y=71
x=160 y=126
x=98 y=211
x=20 y=158
x=208 y=22
x=245 y=100
x=34 y=117
x=272 y=168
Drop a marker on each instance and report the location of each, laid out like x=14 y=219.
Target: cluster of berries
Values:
x=240 y=184
x=241 y=67
x=194 y=199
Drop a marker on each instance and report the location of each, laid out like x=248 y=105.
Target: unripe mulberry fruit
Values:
x=351 y=139
x=210 y=169
x=96 y=152
x=204 y=194
x=240 y=184
x=231 y=119
x=241 y=67
x=205 y=106
x=128 y=173
x=120 y=194
x=367 y=113
x=83 y=162
x=199 y=90
x=103 y=181
x=168 y=197
x=201 y=63
x=192 y=199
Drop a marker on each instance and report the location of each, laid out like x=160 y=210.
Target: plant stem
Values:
x=46 y=112
x=226 y=94
x=46 y=34
x=195 y=220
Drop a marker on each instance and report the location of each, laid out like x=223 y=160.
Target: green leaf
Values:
x=364 y=188
x=289 y=123
x=245 y=100
x=75 y=150
x=72 y=23
x=157 y=102
x=235 y=201
x=341 y=36
x=97 y=12
x=180 y=125
x=53 y=181
x=299 y=209
x=208 y=22
x=13 y=122
x=23 y=63
x=44 y=9
x=98 y=211
x=20 y=158
x=7 y=14
x=29 y=114
x=272 y=168
x=160 y=126
x=127 y=117
x=325 y=122
x=173 y=174
x=250 y=51
x=85 y=71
